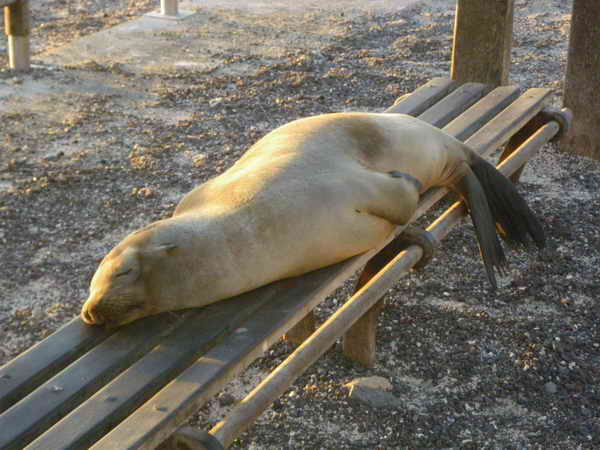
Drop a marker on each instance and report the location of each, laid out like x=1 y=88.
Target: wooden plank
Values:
x=424 y=97
x=482 y=41
x=453 y=104
x=464 y=126
x=51 y=401
x=33 y=367
x=499 y=130
x=201 y=330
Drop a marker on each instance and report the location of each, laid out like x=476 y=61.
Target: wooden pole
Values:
x=16 y=27
x=582 y=81
x=482 y=41
x=169 y=7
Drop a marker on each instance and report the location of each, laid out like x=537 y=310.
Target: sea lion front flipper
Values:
x=413 y=235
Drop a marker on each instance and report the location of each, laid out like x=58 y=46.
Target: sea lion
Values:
x=309 y=194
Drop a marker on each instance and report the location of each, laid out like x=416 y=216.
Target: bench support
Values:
x=302 y=330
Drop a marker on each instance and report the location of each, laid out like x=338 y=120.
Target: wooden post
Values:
x=482 y=41
x=582 y=81
x=17 y=26
x=302 y=330
x=360 y=343
x=169 y=8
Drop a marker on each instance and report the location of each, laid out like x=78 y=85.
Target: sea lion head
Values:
x=124 y=287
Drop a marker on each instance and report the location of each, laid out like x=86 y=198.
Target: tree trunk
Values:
x=482 y=41
x=582 y=82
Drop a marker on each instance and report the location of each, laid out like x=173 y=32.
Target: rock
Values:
x=372 y=391
x=551 y=388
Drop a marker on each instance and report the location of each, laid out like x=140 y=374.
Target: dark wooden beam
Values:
x=482 y=41
x=582 y=82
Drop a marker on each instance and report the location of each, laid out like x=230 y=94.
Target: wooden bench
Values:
x=134 y=387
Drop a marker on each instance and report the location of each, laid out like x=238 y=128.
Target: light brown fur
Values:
x=309 y=194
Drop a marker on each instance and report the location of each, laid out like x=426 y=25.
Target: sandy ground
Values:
x=94 y=145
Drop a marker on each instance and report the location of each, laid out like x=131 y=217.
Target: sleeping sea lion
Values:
x=309 y=194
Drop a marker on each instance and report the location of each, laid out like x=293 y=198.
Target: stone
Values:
x=372 y=391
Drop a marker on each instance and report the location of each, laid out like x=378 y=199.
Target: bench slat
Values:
x=197 y=334
x=52 y=400
x=500 y=129
x=30 y=369
x=464 y=126
x=454 y=104
x=424 y=97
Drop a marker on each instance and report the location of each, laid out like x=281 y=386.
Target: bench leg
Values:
x=360 y=340
x=360 y=343
x=302 y=330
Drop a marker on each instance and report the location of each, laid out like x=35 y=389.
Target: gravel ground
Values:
x=518 y=368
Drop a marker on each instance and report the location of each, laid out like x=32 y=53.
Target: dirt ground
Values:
x=95 y=147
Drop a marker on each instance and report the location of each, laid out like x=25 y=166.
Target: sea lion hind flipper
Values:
x=490 y=248
x=516 y=223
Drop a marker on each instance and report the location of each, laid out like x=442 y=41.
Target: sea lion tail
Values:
x=515 y=222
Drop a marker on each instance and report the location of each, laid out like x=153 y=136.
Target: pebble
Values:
x=551 y=388
x=372 y=391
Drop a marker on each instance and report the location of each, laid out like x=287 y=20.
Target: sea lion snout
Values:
x=121 y=290
x=91 y=315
